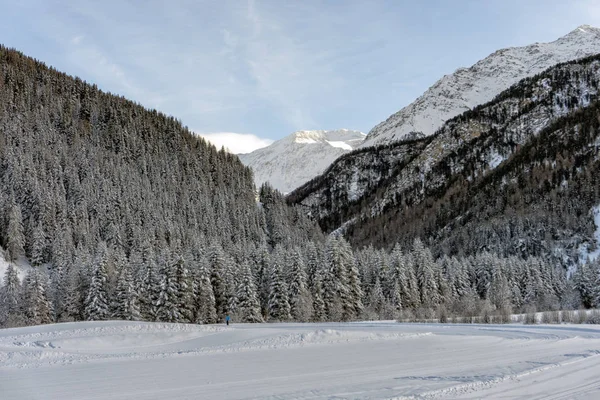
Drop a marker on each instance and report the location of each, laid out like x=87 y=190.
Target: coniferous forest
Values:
x=123 y=213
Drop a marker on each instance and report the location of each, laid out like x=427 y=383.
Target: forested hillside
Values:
x=112 y=211
x=515 y=176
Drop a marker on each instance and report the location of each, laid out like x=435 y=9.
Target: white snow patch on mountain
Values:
x=469 y=87
x=294 y=160
x=21 y=265
x=340 y=145
x=495 y=159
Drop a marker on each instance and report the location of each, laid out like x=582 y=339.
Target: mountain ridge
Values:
x=386 y=193
x=289 y=162
x=466 y=88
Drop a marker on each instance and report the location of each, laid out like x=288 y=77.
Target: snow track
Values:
x=121 y=360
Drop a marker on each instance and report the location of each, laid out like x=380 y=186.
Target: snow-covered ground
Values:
x=123 y=360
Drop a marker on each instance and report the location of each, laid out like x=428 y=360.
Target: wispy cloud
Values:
x=236 y=143
x=273 y=66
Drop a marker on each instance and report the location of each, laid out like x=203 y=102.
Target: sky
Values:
x=244 y=73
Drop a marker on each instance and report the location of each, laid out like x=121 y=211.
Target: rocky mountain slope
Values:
x=513 y=175
x=299 y=157
x=480 y=83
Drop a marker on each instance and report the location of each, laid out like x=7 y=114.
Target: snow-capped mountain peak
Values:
x=299 y=157
x=480 y=83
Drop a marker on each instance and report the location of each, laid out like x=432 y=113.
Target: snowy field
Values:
x=121 y=360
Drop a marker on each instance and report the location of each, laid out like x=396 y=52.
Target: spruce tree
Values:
x=96 y=302
x=185 y=290
x=279 y=306
x=319 y=310
x=299 y=295
x=126 y=305
x=38 y=308
x=247 y=299
x=38 y=247
x=336 y=293
x=10 y=298
x=205 y=299
x=167 y=305
x=16 y=237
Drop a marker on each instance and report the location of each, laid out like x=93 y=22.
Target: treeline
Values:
x=313 y=282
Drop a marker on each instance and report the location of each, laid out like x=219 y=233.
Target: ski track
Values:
x=368 y=360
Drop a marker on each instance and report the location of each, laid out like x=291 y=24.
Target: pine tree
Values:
x=38 y=309
x=355 y=293
x=319 y=310
x=147 y=282
x=336 y=293
x=126 y=305
x=185 y=290
x=299 y=295
x=10 y=298
x=167 y=306
x=217 y=279
x=38 y=247
x=247 y=299
x=426 y=276
x=205 y=298
x=96 y=302
x=16 y=238
x=376 y=299
x=263 y=266
x=499 y=293
x=279 y=306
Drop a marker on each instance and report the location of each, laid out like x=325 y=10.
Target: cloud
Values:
x=237 y=143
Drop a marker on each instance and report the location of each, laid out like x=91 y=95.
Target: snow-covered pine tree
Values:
x=185 y=290
x=583 y=281
x=311 y=255
x=205 y=298
x=167 y=306
x=355 y=293
x=263 y=279
x=319 y=311
x=299 y=295
x=376 y=300
x=77 y=286
x=38 y=245
x=217 y=267
x=248 y=306
x=10 y=299
x=279 y=306
x=38 y=309
x=15 y=233
x=336 y=293
x=230 y=279
x=499 y=292
x=426 y=276
x=96 y=302
x=126 y=306
x=147 y=280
